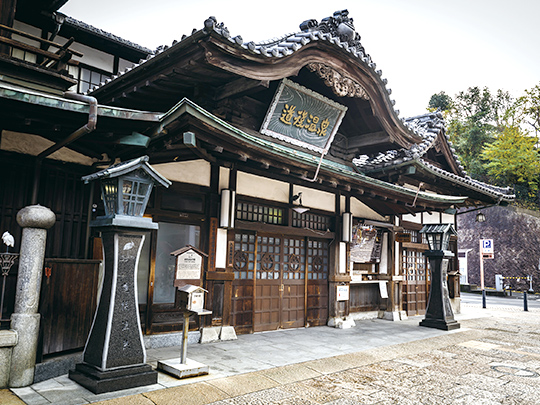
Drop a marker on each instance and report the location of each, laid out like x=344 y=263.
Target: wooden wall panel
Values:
x=68 y=302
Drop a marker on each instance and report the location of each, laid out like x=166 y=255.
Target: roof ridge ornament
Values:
x=339 y=25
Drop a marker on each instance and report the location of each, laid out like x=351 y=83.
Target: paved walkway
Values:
x=493 y=359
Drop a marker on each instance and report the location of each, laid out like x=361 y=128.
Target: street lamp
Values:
x=114 y=356
x=439 y=312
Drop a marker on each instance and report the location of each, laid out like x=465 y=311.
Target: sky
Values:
x=423 y=47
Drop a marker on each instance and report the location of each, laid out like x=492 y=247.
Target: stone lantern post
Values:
x=439 y=312
x=114 y=357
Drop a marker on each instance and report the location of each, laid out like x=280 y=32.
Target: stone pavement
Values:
x=493 y=359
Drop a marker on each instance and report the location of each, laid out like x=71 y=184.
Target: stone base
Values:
x=8 y=339
x=210 y=334
x=341 y=322
x=440 y=324
x=393 y=315
x=192 y=368
x=227 y=333
x=114 y=380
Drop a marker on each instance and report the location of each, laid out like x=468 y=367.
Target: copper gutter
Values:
x=85 y=129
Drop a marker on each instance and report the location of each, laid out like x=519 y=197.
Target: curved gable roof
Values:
x=331 y=49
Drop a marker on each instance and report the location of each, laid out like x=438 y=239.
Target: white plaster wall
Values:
x=123 y=64
x=33 y=145
x=223 y=178
x=91 y=56
x=431 y=218
x=30 y=30
x=316 y=199
x=447 y=218
x=261 y=187
x=417 y=219
x=361 y=210
x=193 y=171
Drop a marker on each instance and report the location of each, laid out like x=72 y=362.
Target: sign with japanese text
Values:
x=188 y=266
x=302 y=117
x=342 y=293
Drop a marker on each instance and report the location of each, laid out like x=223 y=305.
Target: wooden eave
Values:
x=55 y=118
x=227 y=56
x=221 y=143
x=206 y=62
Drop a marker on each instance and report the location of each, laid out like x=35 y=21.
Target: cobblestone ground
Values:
x=497 y=364
x=493 y=359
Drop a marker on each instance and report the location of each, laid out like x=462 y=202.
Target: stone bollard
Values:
x=35 y=220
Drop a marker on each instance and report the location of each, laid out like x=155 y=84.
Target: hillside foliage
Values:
x=496 y=137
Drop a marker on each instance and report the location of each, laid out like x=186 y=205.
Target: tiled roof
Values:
x=430 y=127
x=337 y=30
x=99 y=32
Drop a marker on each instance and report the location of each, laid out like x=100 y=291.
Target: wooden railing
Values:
x=56 y=61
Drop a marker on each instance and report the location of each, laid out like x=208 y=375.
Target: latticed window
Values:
x=87 y=78
x=244 y=256
x=311 y=221
x=413 y=265
x=317 y=259
x=416 y=236
x=268 y=257
x=259 y=213
x=293 y=259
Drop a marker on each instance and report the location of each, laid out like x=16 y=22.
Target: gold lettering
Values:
x=324 y=126
x=312 y=122
x=300 y=118
x=287 y=114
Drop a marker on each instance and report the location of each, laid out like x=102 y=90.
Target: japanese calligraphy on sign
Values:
x=302 y=117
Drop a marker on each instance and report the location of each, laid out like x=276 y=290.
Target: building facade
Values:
x=290 y=167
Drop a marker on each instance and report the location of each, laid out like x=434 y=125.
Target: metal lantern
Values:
x=125 y=189
x=438 y=235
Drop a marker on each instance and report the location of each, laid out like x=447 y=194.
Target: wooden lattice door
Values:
x=280 y=283
x=414 y=270
x=317 y=282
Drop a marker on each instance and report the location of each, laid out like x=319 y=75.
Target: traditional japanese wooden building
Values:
x=290 y=166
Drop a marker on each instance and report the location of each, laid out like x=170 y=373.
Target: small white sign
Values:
x=383 y=289
x=487 y=246
x=188 y=266
x=342 y=293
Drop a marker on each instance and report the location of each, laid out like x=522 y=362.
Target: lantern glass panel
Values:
x=134 y=196
x=109 y=193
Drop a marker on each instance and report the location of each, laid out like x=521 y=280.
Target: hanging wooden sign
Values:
x=303 y=117
x=403 y=237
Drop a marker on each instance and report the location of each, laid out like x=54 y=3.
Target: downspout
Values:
x=85 y=129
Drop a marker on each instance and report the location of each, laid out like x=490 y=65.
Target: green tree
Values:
x=473 y=124
x=513 y=159
x=527 y=109
x=440 y=101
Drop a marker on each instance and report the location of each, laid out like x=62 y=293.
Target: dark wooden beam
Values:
x=366 y=140
x=238 y=87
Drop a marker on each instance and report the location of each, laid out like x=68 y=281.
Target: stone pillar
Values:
x=35 y=220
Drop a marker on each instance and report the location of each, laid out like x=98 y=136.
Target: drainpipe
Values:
x=85 y=129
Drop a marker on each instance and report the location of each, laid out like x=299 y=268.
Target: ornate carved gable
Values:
x=341 y=85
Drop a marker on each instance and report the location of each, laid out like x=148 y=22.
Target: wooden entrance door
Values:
x=280 y=283
x=414 y=270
